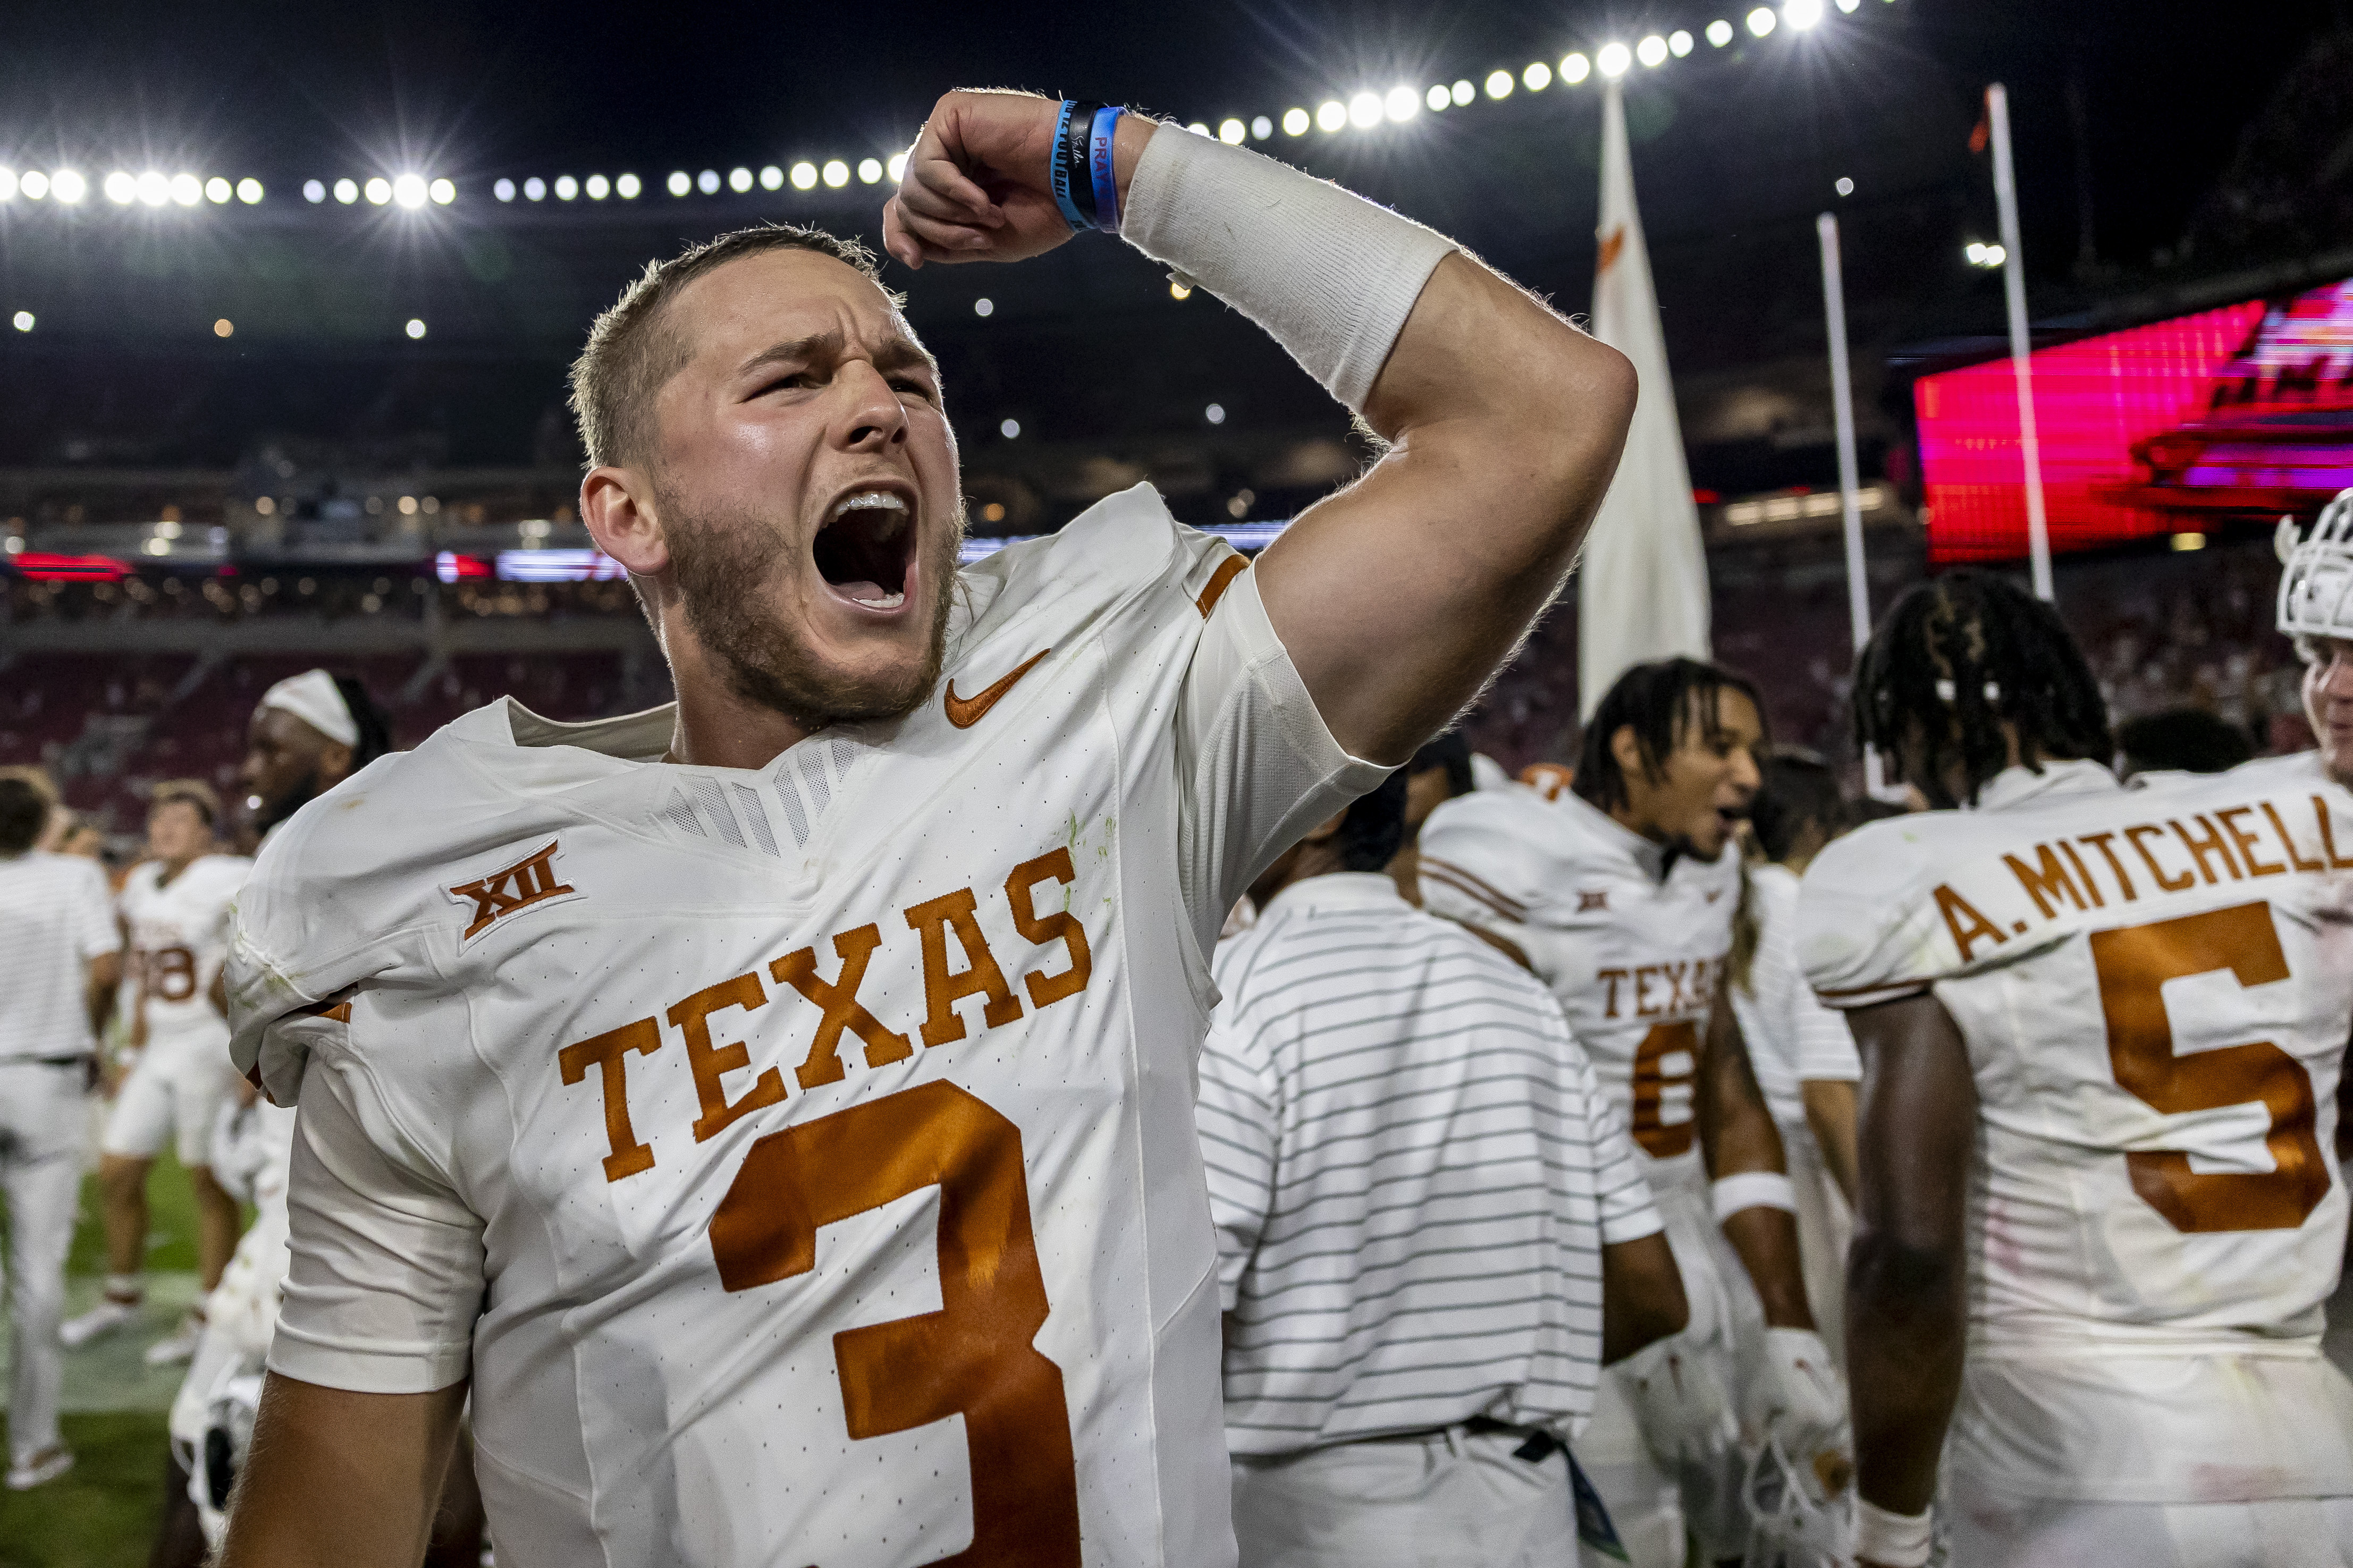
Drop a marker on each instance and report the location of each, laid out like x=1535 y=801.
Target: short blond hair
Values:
x=629 y=357
x=195 y=792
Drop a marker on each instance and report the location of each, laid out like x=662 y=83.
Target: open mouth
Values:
x=864 y=547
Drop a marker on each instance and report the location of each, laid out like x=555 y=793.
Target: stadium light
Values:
x=1499 y=84
x=347 y=192
x=1575 y=68
x=1294 y=122
x=1719 y=33
x=504 y=189
x=836 y=174
x=627 y=186
x=804 y=177
x=1198 y=128
x=681 y=182
x=33 y=184
x=1400 y=104
x=1364 y=110
x=897 y=167
x=443 y=193
x=69 y=186
x=1215 y=413
x=984 y=307
x=1613 y=59
x=154 y=190
x=771 y=177
x=1261 y=128
x=534 y=189
x=1438 y=99
x=869 y=171
x=249 y=191
x=566 y=187
x=378 y=191
x=1009 y=430
x=1651 y=51
x=224 y=328
x=120 y=188
x=1849 y=7
x=315 y=193
x=739 y=179
x=1845 y=187
x=217 y=192
x=408 y=190
x=1329 y=115
x=187 y=190
x=22 y=321
x=707 y=182
x=1761 y=21
x=1537 y=77
x=416 y=328
x=1802 y=14
x=1463 y=91
x=1232 y=131
x=597 y=186
x=1679 y=43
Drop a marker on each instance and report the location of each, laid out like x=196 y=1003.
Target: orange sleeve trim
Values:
x=1220 y=580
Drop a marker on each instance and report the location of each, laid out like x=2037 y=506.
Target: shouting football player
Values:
x=733 y=1094
x=2099 y=1205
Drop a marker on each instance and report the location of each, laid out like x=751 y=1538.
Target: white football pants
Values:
x=42 y=1132
x=1452 y=1500
x=1990 y=1529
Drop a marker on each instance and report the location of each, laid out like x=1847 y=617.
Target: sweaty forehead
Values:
x=782 y=295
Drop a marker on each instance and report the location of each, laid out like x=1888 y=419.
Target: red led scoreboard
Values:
x=2240 y=414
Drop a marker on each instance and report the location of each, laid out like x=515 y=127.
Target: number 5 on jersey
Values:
x=974 y=1355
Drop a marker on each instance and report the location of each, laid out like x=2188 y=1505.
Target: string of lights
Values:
x=66 y=190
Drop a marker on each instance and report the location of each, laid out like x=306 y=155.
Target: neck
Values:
x=173 y=867
x=716 y=727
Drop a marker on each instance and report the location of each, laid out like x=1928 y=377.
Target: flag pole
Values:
x=1858 y=582
x=2014 y=288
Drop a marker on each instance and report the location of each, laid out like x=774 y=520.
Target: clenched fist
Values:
x=978 y=184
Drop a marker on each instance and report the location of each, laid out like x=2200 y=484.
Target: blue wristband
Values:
x=1061 y=173
x=1099 y=164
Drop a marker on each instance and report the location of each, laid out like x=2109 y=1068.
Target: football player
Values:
x=1620 y=892
x=2316 y=608
x=777 y=1108
x=174 y=905
x=2101 y=1031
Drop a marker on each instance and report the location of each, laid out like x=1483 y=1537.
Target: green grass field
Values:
x=103 y=1514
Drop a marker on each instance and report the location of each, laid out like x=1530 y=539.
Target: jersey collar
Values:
x=2020 y=786
x=1650 y=857
x=1337 y=891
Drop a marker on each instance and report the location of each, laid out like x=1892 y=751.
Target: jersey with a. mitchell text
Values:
x=2152 y=982
x=179 y=938
x=802 y=1160
x=1630 y=938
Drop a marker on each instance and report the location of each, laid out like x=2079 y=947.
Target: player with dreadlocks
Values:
x=2101 y=1031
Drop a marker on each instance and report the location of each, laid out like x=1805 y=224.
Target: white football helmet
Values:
x=2315 y=591
x=1787 y=1527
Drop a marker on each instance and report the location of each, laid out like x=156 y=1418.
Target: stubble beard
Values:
x=724 y=568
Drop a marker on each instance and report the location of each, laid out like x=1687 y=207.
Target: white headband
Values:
x=313 y=697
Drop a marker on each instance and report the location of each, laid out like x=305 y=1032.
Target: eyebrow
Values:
x=896 y=352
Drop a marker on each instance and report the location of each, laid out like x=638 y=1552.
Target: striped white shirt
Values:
x=1413 y=1171
x=56 y=915
x=1792 y=1038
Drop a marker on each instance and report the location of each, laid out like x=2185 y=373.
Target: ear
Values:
x=618 y=505
x=1327 y=828
x=1627 y=751
x=335 y=760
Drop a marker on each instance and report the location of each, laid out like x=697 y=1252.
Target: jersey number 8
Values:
x=973 y=1356
x=2133 y=966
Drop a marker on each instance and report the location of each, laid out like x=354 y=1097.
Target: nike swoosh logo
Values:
x=964 y=713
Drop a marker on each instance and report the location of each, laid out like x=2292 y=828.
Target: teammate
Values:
x=175 y=907
x=732 y=1093
x=1620 y=892
x=1802 y=1051
x=308 y=733
x=2101 y=1031
x=60 y=962
x=1436 y=773
x=2316 y=608
x=1431 y=1226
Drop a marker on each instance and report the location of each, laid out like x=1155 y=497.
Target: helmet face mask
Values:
x=2315 y=591
x=1790 y=1525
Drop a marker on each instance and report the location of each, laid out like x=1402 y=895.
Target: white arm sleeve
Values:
x=1260 y=768
x=387 y=1271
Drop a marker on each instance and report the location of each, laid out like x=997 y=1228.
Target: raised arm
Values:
x=1906 y=1316
x=1399 y=596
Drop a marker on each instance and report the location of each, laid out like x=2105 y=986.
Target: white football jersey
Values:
x=802 y=1160
x=1630 y=941
x=179 y=938
x=2156 y=987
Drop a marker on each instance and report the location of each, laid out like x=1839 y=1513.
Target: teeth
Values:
x=870 y=501
x=884 y=601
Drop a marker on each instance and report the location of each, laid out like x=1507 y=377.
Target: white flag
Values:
x=1641 y=591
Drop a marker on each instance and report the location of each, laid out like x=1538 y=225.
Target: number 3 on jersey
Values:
x=973 y=1356
x=2133 y=966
